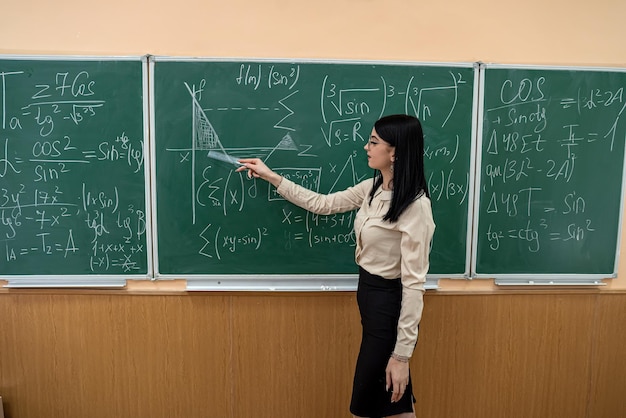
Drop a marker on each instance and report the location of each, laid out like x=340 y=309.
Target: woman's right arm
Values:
x=342 y=201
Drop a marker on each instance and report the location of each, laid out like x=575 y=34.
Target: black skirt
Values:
x=379 y=301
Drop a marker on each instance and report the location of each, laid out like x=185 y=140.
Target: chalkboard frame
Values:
x=536 y=279
x=97 y=280
x=300 y=282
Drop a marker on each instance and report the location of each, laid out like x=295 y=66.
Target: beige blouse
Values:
x=391 y=250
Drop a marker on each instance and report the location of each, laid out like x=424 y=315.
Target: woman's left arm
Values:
x=417 y=227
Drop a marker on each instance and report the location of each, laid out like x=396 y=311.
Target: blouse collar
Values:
x=383 y=194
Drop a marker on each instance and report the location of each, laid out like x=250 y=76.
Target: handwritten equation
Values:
x=552 y=151
x=310 y=124
x=72 y=179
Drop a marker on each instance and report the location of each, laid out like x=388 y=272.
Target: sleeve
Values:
x=417 y=228
x=343 y=201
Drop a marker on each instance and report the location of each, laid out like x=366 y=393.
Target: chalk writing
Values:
x=552 y=151
x=72 y=181
x=307 y=121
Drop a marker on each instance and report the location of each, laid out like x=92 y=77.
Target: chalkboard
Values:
x=73 y=194
x=551 y=166
x=309 y=121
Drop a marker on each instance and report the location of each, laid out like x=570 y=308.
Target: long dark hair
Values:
x=404 y=132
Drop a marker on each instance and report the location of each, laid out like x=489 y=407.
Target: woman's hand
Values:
x=397 y=378
x=257 y=168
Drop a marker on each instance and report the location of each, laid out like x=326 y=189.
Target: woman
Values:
x=393 y=229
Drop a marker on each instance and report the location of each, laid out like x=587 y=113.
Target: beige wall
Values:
x=531 y=31
x=553 y=32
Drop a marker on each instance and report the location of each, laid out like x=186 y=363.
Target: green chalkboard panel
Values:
x=72 y=171
x=309 y=121
x=551 y=171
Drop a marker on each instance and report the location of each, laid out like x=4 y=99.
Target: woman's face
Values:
x=380 y=153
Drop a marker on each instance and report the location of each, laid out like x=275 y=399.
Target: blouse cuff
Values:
x=404 y=350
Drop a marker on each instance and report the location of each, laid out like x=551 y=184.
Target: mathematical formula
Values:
x=539 y=146
x=71 y=178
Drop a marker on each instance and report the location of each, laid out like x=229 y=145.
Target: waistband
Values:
x=375 y=280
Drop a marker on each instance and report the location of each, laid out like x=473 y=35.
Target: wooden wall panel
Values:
x=504 y=356
x=72 y=354
x=114 y=356
x=608 y=383
x=294 y=355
